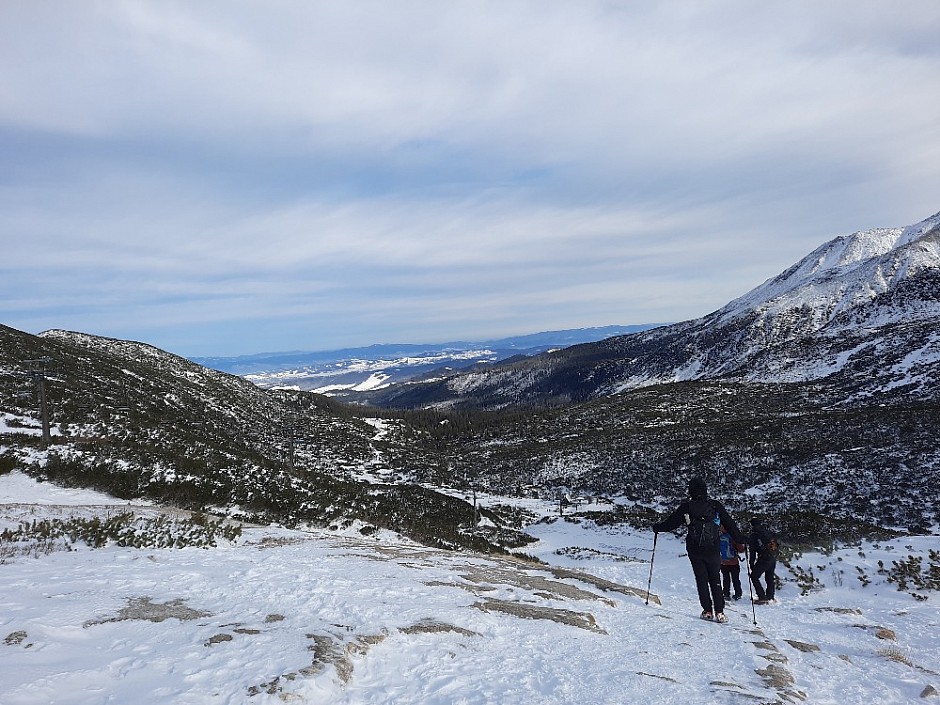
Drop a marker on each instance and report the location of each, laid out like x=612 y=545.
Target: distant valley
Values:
x=345 y=372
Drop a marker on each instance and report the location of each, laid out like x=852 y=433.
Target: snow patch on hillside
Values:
x=14 y=423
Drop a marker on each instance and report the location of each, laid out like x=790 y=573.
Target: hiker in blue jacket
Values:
x=730 y=564
x=703 y=516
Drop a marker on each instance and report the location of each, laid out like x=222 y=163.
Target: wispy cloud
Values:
x=201 y=174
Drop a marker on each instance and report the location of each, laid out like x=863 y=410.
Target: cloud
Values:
x=443 y=169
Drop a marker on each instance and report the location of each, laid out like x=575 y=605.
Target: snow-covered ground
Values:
x=12 y=423
x=320 y=617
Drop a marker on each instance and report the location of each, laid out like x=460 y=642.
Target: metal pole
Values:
x=649 y=584
x=44 y=410
x=750 y=585
x=36 y=371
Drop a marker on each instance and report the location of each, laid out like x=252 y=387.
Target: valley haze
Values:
x=377 y=366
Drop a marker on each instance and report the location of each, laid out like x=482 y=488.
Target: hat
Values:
x=697 y=488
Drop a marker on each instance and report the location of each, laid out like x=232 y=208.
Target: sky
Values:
x=229 y=177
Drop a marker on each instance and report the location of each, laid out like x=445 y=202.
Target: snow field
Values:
x=320 y=617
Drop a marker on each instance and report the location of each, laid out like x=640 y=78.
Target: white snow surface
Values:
x=12 y=423
x=369 y=375
x=18 y=488
x=325 y=617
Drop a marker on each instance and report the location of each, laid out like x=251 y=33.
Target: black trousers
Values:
x=766 y=570
x=731 y=577
x=707 y=571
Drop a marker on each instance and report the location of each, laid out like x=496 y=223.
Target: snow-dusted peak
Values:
x=861 y=311
x=62 y=334
x=913 y=233
x=844 y=272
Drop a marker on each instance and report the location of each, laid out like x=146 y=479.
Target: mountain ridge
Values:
x=136 y=421
x=881 y=257
x=840 y=309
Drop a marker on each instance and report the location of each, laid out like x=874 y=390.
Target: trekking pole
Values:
x=652 y=557
x=750 y=585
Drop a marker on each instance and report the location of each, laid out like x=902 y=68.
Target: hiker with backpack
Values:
x=730 y=564
x=703 y=515
x=763 y=546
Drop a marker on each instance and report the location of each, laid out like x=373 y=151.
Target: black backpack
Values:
x=703 y=523
x=768 y=544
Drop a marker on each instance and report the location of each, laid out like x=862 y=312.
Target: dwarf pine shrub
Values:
x=911 y=573
x=41 y=536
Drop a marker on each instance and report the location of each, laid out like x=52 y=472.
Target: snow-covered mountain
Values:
x=845 y=273
x=142 y=422
x=862 y=312
x=866 y=285
x=852 y=329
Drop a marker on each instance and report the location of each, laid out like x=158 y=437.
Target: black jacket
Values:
x=696 y=507
x=757 y=542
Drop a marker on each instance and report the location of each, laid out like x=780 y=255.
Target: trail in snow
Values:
x=319 y=617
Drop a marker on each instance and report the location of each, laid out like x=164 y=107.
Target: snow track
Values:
x=285 y=616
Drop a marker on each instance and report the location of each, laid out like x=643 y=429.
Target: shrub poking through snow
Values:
x=126 y=529
x=910 y=573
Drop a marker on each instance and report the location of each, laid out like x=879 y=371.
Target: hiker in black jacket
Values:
x=702 y=516
x=763 y=562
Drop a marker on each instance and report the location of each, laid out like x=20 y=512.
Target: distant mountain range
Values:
x=861 y=312
x=340 y=372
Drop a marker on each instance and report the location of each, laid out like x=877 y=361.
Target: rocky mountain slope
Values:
x=860 y=313
x=787 y=450
x=136 y=421
x=814 y=395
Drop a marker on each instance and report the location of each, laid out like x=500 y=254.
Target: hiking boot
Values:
x=761 y=602
x=737 y=597
x=720 y=618
x=707 y=615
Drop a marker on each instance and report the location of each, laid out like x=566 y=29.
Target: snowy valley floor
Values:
x=319 y=617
